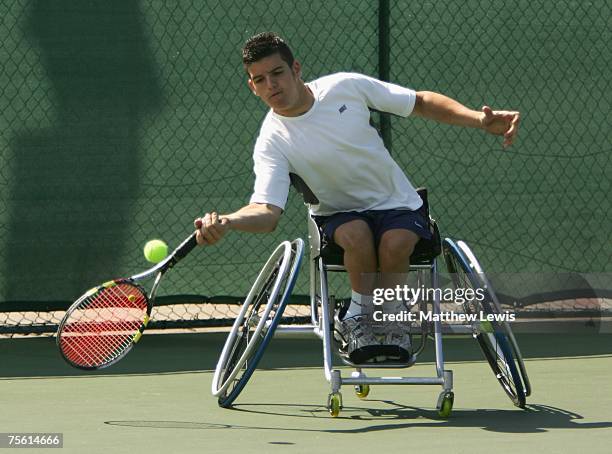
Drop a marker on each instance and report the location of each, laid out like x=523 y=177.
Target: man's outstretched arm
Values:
x=253 y=218
x=443 y=109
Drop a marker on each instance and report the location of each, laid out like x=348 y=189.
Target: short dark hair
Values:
x=263 y=45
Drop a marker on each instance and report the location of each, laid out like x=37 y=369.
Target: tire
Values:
x=255 y=324
x=495 y=338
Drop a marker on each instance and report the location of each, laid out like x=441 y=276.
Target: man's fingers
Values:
x=510 y=135
x=207 y=237
x=516 y=120
x=513 y=127
x=499 y=114
x=212 y=234
x=512 y=130
x=200 y=238
x=210 y=228
x=211 y=219
x=203 y=226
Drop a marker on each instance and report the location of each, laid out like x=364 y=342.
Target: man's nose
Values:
x=270 y=82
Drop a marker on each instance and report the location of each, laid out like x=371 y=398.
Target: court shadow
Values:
x=535 y=419
x=74 y=181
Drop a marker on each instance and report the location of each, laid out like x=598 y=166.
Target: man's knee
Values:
x=396 y=246
x=354 y=235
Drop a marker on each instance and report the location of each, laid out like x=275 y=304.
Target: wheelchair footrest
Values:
x=378 y=356
x=386 y=364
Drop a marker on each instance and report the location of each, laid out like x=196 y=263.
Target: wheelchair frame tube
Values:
x=313 y=290
x=437 y=322
x=324 y=331
x=363 y=380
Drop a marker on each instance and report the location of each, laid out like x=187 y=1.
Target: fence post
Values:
x=383 y=64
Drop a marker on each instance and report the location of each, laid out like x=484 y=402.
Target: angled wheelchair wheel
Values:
x=255 y=324
x=495 y=338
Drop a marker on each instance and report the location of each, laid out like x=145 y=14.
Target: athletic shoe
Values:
x=357 y=340
x=397 y=333
x=394 y=336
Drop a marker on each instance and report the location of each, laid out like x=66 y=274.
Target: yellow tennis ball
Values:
x=155 y=251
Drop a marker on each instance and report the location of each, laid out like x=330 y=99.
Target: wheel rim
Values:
x=246 y=335
x=232 y=358
x=492 y=337
x=265 y=308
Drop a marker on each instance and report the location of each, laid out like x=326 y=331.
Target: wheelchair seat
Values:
x=424 y=252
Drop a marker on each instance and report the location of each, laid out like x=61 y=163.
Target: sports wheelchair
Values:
x=261 y=312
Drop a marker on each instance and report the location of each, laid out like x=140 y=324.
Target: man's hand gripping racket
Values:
x=101 y=327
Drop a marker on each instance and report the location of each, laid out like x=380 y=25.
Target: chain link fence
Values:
x=543 y=205
x=123 y=121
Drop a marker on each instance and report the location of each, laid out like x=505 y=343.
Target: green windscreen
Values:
x=124 y=121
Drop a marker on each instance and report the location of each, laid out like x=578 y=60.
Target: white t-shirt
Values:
x=335 y=150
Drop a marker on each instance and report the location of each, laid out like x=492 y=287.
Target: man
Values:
x=321 y=132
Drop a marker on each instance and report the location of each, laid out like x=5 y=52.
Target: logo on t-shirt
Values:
x=343 y=108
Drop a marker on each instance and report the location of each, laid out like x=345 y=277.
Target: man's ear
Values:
x=297 y=69
x=252 y=86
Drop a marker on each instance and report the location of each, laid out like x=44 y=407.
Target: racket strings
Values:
x=101 y=349
x=94 y=344
x=103 y=326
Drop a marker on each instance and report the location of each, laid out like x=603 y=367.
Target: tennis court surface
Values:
x=158 y=400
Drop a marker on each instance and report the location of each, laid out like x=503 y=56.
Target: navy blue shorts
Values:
x=379 y=221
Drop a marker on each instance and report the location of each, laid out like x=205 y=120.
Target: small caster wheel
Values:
x=445 y=404
x=362 y=391
x=334 y=404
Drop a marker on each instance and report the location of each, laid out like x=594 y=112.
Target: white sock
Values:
x=359 y=302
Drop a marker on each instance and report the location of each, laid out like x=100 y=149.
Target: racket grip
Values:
x=185 y=247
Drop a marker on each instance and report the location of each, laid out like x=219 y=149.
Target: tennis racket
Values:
x=102 y=326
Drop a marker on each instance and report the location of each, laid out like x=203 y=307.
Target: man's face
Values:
x=276 y=83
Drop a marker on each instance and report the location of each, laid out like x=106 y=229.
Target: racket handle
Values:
x=185 y=247
x=179 y=253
